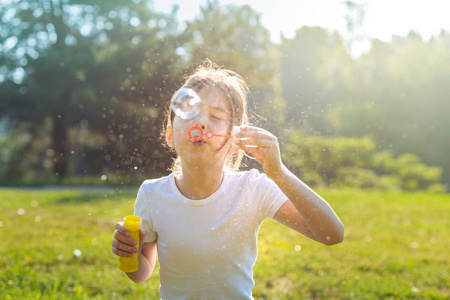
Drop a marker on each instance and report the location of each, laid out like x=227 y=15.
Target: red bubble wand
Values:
x=199 y=133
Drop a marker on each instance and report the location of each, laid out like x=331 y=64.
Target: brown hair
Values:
x=235 y=89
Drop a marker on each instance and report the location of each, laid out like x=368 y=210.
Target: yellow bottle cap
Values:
x=132 y=223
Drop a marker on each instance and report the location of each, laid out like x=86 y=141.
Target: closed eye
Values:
x=218 y=113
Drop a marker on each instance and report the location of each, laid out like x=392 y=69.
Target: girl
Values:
x=203 y=218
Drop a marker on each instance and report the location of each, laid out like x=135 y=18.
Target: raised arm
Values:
x=305 y=212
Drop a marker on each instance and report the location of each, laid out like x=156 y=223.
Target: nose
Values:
x=200 y=121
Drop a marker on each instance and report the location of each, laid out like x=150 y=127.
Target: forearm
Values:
x=144 y=271
x=318 y=215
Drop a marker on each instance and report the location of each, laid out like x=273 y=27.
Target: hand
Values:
x=264 y=147
x=123 y=244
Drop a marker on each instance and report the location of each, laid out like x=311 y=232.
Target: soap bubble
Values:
x=185 y=103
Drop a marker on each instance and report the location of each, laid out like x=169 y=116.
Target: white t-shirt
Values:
x=207 y=248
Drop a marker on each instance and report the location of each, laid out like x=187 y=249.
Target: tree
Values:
x=357 y=39
x=399 y=96
x=233 y=36
x=313 y=68
x=86 y=64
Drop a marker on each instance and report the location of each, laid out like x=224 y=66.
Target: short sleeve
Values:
x=142 y=210
x=269 y=194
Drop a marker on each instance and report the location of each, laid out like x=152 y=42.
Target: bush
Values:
x=355 y=162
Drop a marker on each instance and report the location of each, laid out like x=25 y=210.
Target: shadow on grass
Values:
x=86 y=196
x=83 y=198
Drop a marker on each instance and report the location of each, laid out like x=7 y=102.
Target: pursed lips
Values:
x=198 y=143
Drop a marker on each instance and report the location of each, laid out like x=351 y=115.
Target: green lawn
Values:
x=56 y=244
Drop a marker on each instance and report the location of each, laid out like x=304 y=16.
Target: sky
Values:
x=383 y=19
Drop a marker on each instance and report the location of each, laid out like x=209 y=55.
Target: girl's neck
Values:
x=199 y=183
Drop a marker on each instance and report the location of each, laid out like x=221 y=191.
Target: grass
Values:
x=56 y=244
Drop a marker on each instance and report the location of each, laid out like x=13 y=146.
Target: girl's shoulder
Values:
x=149 y=184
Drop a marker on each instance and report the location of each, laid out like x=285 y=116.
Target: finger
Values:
x=256 y=143
x=256 y=134
x=120 y=246
x=141 y=239
x=124 y=239
x=121 y=253
x=249 y=128
x=122 y=229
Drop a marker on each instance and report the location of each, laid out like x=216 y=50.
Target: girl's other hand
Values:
x=123 y=244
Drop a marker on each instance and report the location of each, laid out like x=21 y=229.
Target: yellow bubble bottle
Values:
x=133 y=225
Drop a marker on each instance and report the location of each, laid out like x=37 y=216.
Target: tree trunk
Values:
x=60 y=146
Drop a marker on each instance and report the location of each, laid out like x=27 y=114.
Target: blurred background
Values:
x=84 y=87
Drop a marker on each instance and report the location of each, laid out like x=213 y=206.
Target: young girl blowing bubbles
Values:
x=203 y=219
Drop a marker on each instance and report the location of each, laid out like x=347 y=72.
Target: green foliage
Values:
x=42 y=229
x=234 y=37
x=103 y=78
x=84 y=88
x=94 y=71
x=312 y=74
x=397 y=93
x=356 y=162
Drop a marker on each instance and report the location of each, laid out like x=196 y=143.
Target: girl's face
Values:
x=214 y=116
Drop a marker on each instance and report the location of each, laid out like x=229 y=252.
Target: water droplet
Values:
x=84 y=124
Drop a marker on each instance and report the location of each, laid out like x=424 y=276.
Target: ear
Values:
x=169 y=136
